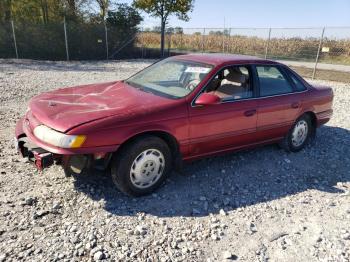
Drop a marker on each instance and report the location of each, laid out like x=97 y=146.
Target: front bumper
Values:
x=44 y=155
x=23 y=129
x=39 y=156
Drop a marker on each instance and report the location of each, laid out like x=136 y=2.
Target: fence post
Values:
x=181 y=34
x=203 y=41
x=14 y=38
x=229 y=41
x=267 y=44
x=169 y=43
x=223 y=41
x=141 y=38
x=65 y=38
x=318 y=53
x=106 y=39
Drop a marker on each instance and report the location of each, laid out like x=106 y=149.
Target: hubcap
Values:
x=300 y=132
x=147 y=168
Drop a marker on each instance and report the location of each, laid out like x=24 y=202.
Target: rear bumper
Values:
x=324 y=117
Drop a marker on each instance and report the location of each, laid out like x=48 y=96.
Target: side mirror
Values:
x=207 y=99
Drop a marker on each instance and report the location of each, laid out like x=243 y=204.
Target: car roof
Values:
x=219 y=59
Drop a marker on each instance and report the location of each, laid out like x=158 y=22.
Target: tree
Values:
x=215 y=33
x=6 y=12
x=104 y=5
x=170 y=30
x=123 y=24
x=124 y=17
x=156 y=29
x=179 y=30
x=163 y=9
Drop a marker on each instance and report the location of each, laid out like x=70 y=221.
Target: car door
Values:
x=228 y=124
x=278 y=103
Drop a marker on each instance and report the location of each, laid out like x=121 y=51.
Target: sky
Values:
x=262 y=13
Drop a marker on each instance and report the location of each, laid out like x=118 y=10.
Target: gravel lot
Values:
x=256 y=205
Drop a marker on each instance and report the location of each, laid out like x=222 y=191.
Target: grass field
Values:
x=321 y=74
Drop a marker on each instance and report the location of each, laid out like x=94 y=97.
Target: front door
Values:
x=232 y=122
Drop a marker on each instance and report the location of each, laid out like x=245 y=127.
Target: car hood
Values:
x=66 y=108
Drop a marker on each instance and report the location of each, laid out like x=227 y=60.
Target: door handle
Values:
x=250 y=112
x=295 y=104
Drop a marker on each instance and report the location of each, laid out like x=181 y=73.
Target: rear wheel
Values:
x=299 y=135
x=141 y=166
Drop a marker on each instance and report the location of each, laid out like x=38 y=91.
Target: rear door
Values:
x=278 y=104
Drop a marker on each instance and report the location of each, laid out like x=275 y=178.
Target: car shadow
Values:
x=235 y=180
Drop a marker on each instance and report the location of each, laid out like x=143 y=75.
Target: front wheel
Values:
x=299 y=135
x=141 y=166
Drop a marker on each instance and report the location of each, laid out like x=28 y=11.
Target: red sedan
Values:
x=179 y=109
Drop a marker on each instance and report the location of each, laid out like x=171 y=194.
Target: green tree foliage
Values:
x=40 y=35
x=124 y=17
x=122 y=22
x=104 y=5
x=42 y=11
x=163 y=9
x=179 y=30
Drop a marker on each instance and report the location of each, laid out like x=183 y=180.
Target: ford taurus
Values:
x=179 y=109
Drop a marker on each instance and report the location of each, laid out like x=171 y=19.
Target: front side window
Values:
x=231 y=83
x=171 y=78
x=272 y=81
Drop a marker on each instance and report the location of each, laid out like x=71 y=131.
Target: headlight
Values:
x=53 y=137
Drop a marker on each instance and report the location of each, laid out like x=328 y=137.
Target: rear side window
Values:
x=298 y=84
x=272 y=81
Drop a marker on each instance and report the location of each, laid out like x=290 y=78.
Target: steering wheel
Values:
x=192 y=84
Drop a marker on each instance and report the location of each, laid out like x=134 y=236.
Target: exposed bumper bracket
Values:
x=40 y=157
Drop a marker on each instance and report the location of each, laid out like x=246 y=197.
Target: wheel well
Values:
x=169 y=139
x=313 y=118
x=313 y=122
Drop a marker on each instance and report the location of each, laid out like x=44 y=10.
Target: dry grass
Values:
x=322 y=74
x=279 y=48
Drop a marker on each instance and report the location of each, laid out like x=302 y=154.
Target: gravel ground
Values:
x=256 y=205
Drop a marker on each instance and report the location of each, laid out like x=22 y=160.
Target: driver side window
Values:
x=231 y=83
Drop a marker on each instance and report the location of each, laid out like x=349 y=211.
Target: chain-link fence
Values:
x=306 y=47
x=297 y=44
x=66 y=41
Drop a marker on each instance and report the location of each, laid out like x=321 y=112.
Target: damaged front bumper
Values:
x=74 y=161
x=39 y=156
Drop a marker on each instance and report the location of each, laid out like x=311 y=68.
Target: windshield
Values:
x=170 y=77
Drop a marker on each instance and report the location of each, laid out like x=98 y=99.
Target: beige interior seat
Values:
x=234 y=85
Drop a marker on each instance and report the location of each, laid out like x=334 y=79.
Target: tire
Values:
x=142 y=166
x=299 y=135
x=75 y=165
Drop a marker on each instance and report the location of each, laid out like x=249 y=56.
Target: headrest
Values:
x=236 y=76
